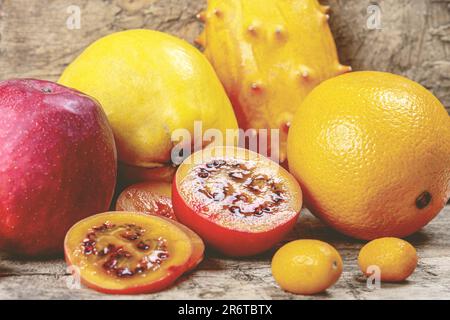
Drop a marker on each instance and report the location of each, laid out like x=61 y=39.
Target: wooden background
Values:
x=414 y=40
x=251 y=278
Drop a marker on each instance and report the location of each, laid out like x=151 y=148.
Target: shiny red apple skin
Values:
x=58 y=164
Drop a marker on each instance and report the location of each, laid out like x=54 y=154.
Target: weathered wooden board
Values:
x=413 y=39
x=225 y=278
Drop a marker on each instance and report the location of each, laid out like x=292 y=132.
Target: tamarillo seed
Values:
x=124 y=272
x=143 y=246
x=236 y=175
x=203 y=174
x=235 y=209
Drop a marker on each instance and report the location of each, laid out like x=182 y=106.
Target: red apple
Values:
x=58 y=164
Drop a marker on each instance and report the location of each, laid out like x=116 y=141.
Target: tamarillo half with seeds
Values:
x=238 y=201
x=131 y=253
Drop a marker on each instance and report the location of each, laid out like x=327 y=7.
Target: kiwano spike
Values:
x=279 y=31
x=285 y=126
x=201 y=16
x=341 y=69
x=305 y=73
x=218 y=13
x=325 y=17
x=256 y=87
x=325 y=9
x=252 y=30
x=201 y=39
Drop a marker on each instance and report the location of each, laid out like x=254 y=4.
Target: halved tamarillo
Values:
x=127 y=252
x=148 y=197
x=156 y=198
x=238 y=201
x=198 y=247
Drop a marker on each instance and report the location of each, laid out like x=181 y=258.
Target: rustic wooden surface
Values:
x=414 y=40
x=220 y=278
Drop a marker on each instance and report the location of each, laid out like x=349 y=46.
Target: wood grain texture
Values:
x=225 y=278
x=414 y=39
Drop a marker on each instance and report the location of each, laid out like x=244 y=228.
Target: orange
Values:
x=396 y=258
x=306 y=266
x=371 y=151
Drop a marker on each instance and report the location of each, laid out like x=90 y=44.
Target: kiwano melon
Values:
x=269 y=55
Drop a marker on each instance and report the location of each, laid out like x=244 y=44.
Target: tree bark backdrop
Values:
x=412 y=39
